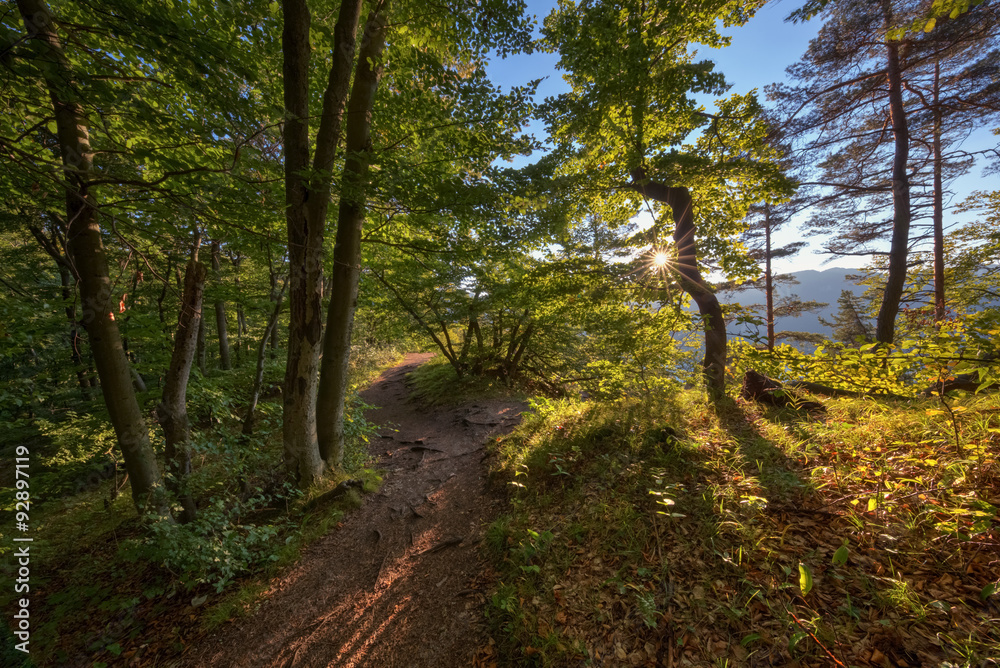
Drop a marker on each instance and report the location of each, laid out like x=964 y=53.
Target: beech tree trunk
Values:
x=690 y=279
x=86 y=252
x=220 y=314
x=347 y=251
x=307 y=199
x=172 y=411
x=301 y=452
x=885 y=325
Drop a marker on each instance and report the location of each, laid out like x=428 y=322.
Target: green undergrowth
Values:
x=672 y=532
x=435 y=382
x=107 y=585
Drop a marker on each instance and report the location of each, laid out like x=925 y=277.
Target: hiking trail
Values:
x=400 y=581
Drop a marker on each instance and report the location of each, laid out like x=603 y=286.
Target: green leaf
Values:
x=872 y=504
x=796 y=637
x=841 y=555
x=749 y=639
x=805 y=579
x=115 y=649
x=988 y=591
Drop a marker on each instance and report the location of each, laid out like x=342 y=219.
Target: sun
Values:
x=660 y=259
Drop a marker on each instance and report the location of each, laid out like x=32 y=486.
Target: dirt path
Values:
x=399 y=582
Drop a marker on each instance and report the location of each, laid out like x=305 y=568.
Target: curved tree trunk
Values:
x=86 y=252
x=885 y=326
x=172 y=411
x=690 y=279
x=347 y=251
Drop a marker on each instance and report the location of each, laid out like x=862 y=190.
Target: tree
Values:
x=172 y=411
x=955 y=89
x=439 y=56
x=849 y=68
x=347 y=251
x=864 y=83
x=849 y=325
x=623 y=125
x=220 y=312
x=764 y=220
x=307 y=198
x=86 y=251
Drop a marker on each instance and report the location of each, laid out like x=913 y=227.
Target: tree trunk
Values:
x=74 y=335
x=301 y=451
x=940 y=310
x=885 y=327
x=347 y=251
x=273 y=341
x=307 y=203
x=220 y=313
x=172 y=411
x=241 y=321
x=690 y=279
x=56 y=250
x=160 y=310
x=768 y=279
x=261 y=353
x=86 y=252
x=202 y=350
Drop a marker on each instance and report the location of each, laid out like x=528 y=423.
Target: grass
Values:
x=677 y=533
x=106 y=586
x=435 y=382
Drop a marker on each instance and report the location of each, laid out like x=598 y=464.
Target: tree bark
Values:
x=940 y=310
x=885 y=326
x=305 y=246
x=690 y=279
x=202 y=349
x=87 y=255
x=261 y=354
x=220 y=313
x=56 y=250
x=307 y=200
x=768 y=278
x=347 y=251
x=172 y=411
x=241 y=320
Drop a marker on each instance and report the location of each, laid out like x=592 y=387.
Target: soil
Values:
x=401 y=581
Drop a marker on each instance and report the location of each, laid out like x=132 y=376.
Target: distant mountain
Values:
x=821 y=286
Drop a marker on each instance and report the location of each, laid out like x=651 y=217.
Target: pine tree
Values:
x=850 y=326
